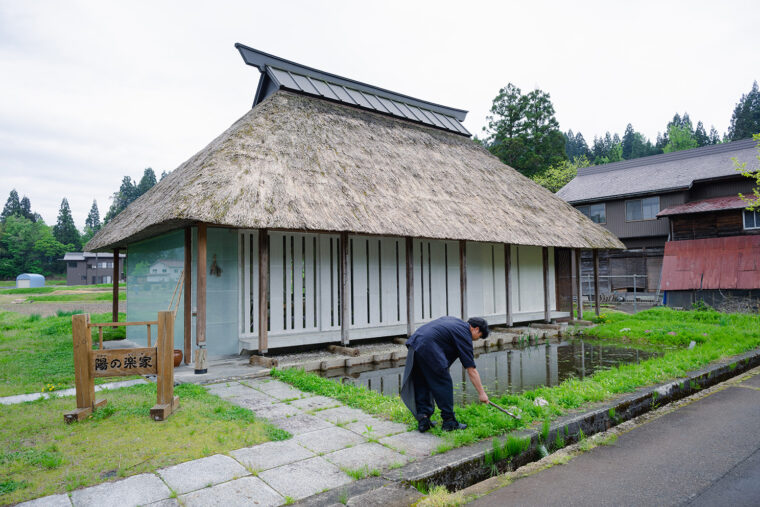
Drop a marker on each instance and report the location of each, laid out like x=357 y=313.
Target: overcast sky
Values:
x=93 y=91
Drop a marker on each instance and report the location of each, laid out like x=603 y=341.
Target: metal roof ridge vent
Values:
x=279 y=73
x=668 y=157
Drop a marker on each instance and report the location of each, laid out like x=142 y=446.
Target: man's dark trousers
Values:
x=437 y=382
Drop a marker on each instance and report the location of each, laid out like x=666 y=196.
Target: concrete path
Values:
x=21 y=398
x=332 y=445
x=703 y=453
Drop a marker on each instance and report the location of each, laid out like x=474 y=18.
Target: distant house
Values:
x=87 y=268
x=651 y=201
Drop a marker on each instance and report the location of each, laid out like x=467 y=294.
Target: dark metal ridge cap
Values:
x=632 y=194
x=261 y=60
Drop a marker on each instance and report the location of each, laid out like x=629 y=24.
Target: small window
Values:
x=751 y=219
x=596 y=212
x=642 y=209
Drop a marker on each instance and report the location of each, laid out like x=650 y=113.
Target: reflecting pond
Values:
x=507 y=370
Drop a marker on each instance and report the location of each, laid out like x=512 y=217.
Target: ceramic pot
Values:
x=177 y=357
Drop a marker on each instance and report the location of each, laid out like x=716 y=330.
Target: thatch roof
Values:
x=302 y=163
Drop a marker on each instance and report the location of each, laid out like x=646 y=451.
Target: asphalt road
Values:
x=706 y=453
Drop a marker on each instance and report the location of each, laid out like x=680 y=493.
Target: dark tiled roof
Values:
x=659 y=173
x=278 y=73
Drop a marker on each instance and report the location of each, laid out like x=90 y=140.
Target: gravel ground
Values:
x=45 y=309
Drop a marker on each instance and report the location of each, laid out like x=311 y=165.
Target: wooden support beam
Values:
x=508 y=282
x=201 y=365
x=409 y=287
x=596 y=281
x=263 y=291
x=463 y=277
x=345 y=310
x=188 y=304
x=266 y=362
x=115 y=280
x=547 y=298
x=166 y=402
x=348 y=351
x=578 y=283
x=84 y=381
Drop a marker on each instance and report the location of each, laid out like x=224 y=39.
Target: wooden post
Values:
x=263 y=293
x=596 y=281
x=200 y=299
x=409 y=287
x=508 y=281
x=547 y=299
x=85 y=385
x=463 y=277
x=116 y=271
x=188 y=304
x=166 y=402
x=345 y=314
x=578 y=282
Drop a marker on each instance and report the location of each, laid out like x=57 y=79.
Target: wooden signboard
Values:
x=89 y=364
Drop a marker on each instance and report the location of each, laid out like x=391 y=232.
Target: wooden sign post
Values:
x=89 y=364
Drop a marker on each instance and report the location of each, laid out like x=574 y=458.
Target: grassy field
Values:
x=36 y=353
x=41 y=455
x=99 y=287
x=716 y=335
x=89 y=296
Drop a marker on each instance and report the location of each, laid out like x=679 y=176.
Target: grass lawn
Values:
x=717 y=336
x=36 y=353
x=41 y=455
x=87 y=296
x=99 y=287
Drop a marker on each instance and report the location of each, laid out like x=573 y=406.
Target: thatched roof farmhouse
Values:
x=319 y=158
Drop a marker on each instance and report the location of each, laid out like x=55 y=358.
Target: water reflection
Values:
x=507 y=370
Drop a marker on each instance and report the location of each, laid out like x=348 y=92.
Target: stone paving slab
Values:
x=371 y=455
x=230 y=389
x=342 y=415
x=316 y=403
x=132 y=491
x=329 y=439
x=201 y=473
x=305 y=478
x=413 y=443
x=48 y=501
x=275 y=412
x=271 y=454
x=376 y=428
x=301 y=423
x=241 y=492
x=169 y=502
x=280 y=390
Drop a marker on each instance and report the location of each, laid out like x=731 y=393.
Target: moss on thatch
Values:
x=301 y=163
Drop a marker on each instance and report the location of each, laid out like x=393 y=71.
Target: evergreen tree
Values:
x=64 y=231
x=714 y=136
x=12 y=206
x=93 y=218
x=629 y=137
x=121 y=199
x=523 y=132
x=745 y=121
x=26 y=209
x=701 y=136
x=146 y=182
x=164 y=174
